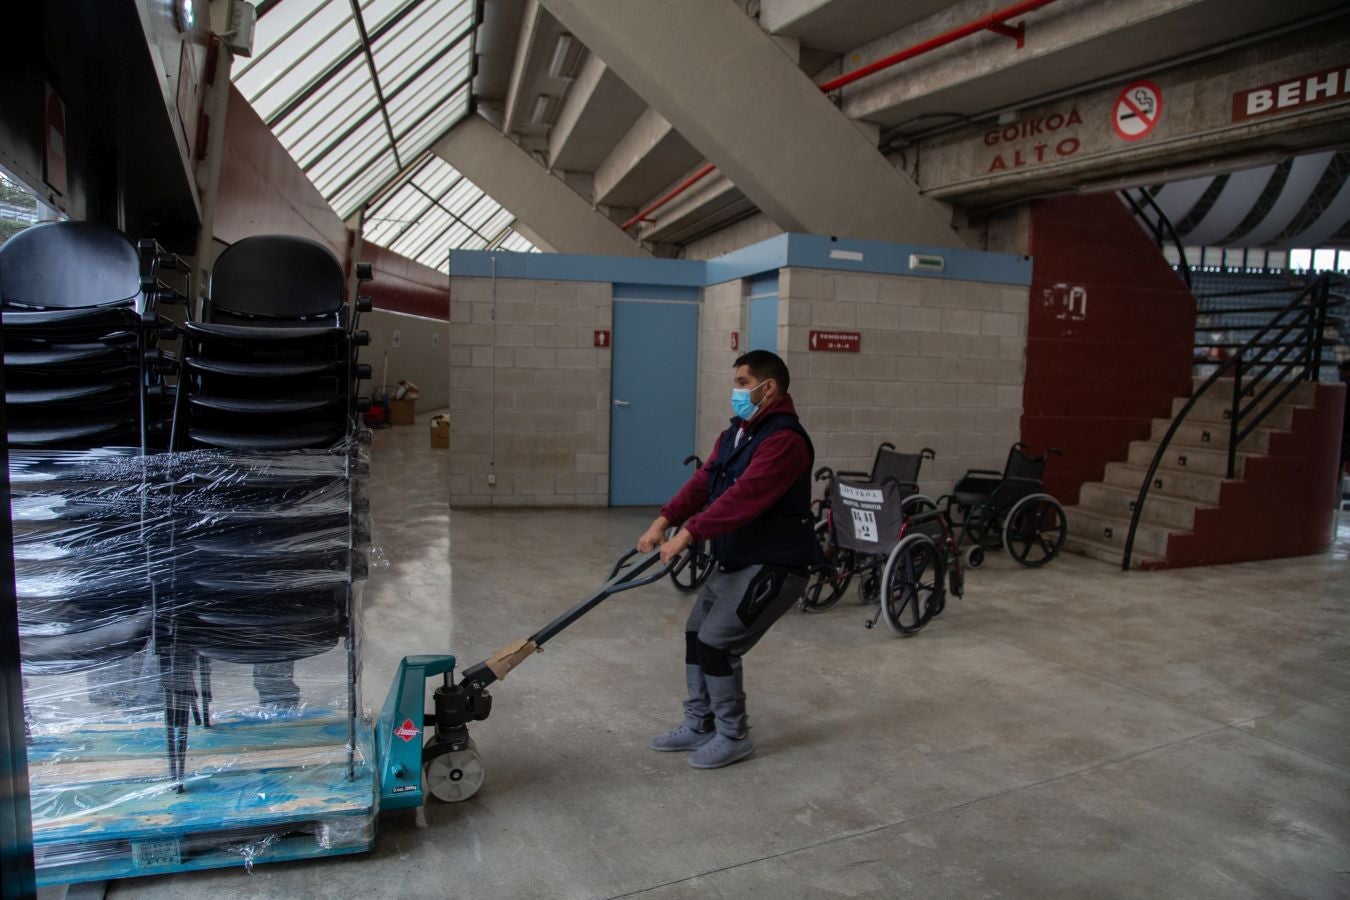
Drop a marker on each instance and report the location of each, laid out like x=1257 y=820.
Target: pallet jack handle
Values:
x=626 y=575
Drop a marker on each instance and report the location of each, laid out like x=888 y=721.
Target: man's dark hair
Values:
x=764 y=365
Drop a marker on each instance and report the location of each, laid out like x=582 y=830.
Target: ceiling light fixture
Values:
x=566 y=57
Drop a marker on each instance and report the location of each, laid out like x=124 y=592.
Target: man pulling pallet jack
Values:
x=752 y=501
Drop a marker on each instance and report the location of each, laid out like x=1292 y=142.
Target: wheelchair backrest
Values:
x=903 y=467
x=1020 y=465
x=866 y=514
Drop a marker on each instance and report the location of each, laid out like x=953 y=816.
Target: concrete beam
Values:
x=643 y=161
x=547 y=207
x=529 y=34
x=1071 y=143
x=840 y=25
x=597 y=111
x=724 y=84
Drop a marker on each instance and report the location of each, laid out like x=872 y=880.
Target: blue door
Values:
x=763 y=313
x=652 y=389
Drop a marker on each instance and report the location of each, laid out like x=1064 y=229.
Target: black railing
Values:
x=1147 y=210
x=1285 y=352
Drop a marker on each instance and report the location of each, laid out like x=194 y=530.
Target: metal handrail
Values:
x=1159 y=224
x=1307 y=313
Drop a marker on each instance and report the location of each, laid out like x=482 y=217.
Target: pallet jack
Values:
x=447 y=765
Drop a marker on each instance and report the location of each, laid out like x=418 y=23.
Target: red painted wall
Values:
x=1095 y=381
x=404 y=286
x=263 y=191
x=1285 y=503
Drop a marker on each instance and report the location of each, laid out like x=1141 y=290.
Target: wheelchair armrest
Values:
x=887 y=445
x=994 y=472
x=693 y=458
x=1014 y=479
x=824 y=473
x=927 y=453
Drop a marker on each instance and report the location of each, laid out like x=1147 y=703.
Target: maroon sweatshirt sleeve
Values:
x=694 y=495
x=778 y=462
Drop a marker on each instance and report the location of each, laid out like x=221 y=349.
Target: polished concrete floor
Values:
x=1068 y=732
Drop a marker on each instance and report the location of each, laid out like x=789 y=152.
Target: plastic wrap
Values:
x=190 y=641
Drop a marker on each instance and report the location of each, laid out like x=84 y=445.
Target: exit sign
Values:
x=836 y=341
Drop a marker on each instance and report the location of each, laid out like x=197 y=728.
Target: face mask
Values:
x=741 y=404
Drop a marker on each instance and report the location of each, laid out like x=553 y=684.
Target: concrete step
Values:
x=1107 y=553
x=1187 y=459
x=1303 y=395
x=1172 y=513
x=1110 y=531
x=1208 y=436
x=1214 y=409
x=1183 y=485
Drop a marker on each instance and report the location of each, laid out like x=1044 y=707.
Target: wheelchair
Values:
x=902 y=543
x=1008 y=509
x=694 y=565
x=842 y=561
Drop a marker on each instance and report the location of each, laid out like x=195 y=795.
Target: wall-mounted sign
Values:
x=1292 y=93
x=735 y=340
x=836 y=341
x=1033 y=140
x=1137 y=111
x=602 y=338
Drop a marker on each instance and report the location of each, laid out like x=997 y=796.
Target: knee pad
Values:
x=714 y=660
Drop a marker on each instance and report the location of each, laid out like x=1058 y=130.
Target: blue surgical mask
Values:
x=741 y=404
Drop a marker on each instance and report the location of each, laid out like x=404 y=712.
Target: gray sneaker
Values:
x=722 y=751
x=682 y=738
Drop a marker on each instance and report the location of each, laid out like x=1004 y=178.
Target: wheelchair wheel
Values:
x=912 y=592
x=918 y=503
x=1035 y=529
x=692 y=570
x=833 y=577
x=975 y=557
x=869 y=591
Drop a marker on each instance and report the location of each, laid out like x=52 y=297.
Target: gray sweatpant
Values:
x=730 y=615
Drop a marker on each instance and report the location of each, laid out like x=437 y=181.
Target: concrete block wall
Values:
x=534 y=377
x=721 y=313
x=941 y=365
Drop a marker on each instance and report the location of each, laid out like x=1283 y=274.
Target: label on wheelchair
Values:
x=865 y=525
x=861 y=495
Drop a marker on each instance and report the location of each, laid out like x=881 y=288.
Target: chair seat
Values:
x=253 y=334
x=80 y=650
x=33 y=396
x=234 y=441
x=261 y=369
x=66 y=434
x=61 y=356
x=115 y=317
x=265 y=643
x=310 y=402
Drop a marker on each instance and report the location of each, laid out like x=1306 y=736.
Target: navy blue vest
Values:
x=784 y=534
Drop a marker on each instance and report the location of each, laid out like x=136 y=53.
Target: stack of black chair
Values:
x=85 y=398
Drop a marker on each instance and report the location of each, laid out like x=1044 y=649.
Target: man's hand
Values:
x=675 y=546
x=654 y=535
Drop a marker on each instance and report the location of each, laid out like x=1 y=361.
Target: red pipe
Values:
x=941 y=40
x=675 y=192
x=990 y=21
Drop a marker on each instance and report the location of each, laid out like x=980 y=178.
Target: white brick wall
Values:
x=941 y=366
x=722 y=311
x=540 y=382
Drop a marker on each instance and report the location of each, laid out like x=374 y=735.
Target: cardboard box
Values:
x=403 y=403
x=402 y=412
x=440 y=432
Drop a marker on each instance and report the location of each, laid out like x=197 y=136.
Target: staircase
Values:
x=1190 y=477
x=1245 y=468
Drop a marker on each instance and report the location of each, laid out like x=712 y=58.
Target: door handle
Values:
x=622 y=403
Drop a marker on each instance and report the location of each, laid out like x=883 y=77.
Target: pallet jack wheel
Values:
x=452 y=775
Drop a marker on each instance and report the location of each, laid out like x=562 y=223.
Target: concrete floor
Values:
x=1068 y=732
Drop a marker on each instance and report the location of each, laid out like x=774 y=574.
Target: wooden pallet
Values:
x=254 y=791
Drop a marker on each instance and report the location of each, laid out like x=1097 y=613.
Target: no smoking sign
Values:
x=1137 y=111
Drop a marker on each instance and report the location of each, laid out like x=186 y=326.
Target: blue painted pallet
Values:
x=255 y=791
